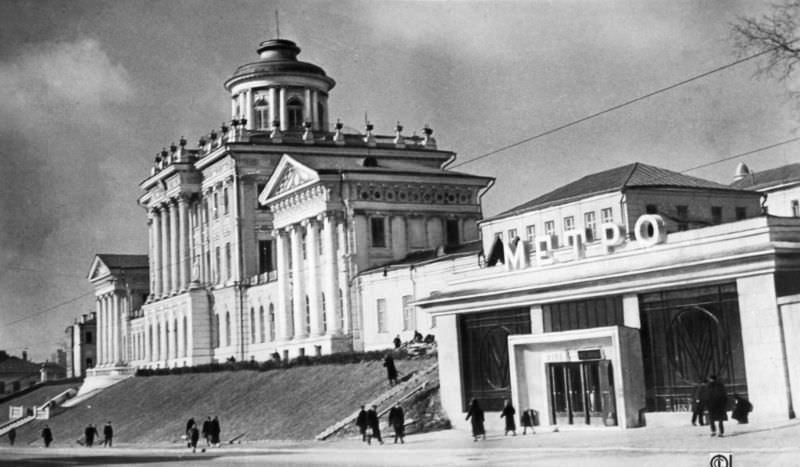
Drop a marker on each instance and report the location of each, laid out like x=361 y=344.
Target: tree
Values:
x=775 y=35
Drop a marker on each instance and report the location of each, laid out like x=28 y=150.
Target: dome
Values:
x=277 y=57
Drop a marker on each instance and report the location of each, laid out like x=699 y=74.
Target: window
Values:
x=381 y=309
x=512 y=234
x=716 y=214
x=582 y=314
x=741 y=213
x=89 y=363
x=308 y=316
x=227 y=328
x=271 y=322
x=217 y=331
x=324 y=314
x=683 y=217
x=262 y=332
x=651 y=209
x=225 y=200
x=216 y=205
x=452 y=234
x=227 y=261
x=378 y=230
x=265 y=256
x=530 y=234
x=409 y=317
x=252 y=325
x=294 y=111
x=259 y=188
x=341 y=309
x=185 y=336
x=606 y=215
x=89 y=337
x=208 y=267
x=569 y=223
x=549 y=227
x=795 y=208
x=261 y=113
x=590 y=222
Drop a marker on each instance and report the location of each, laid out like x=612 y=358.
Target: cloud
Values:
x=63 y=82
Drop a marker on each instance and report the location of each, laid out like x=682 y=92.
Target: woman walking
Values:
x=508 y=412
x=476 y=414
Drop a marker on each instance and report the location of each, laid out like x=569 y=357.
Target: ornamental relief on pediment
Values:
x=289 y=180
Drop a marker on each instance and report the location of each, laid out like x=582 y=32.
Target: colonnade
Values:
x=110 y=307
x=243 y=105
x=169 y=247
x=166 y=337
x=316 y=284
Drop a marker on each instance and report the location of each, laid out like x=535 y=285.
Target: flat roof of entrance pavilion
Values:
x=714 y=254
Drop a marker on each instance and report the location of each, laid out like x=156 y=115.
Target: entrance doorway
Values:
x=582 y=393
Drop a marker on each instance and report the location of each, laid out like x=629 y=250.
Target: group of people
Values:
x=90 y=434
x=710 y=402
x=475 y=414
x=210 y=431
x=369 y=424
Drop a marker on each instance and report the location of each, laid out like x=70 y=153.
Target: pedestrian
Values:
x=374 y=424
x=108 y=434
x=717 y=405
x=189 y=425
x=215 y=431
x=509 y=412
x=417 y=336
x=398 y=421
x=194 y=435
x=391 y=370
x=47 y=436
x=697 y=403
x=526 y=420
x=741 y=410
x=12 y=435
x=397 y=341
x=475 y=413
x=89 y=434
x=361 y=423
x=207 y=430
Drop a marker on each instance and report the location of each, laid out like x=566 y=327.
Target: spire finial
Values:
x=277 y=25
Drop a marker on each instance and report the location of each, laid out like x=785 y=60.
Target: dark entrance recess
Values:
x=688 y=335
x=484 y=354
x=582 y=393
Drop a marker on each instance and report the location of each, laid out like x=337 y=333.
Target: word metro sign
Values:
x=649 y=230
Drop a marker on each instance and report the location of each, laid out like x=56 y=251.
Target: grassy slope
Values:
x=296 y=403
x=36 y=397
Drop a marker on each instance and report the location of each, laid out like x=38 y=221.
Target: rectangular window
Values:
x=409 y=318
x=741 y=213
x=88 y=337
x=378 y=230
x=590 y=223
x=303 y=245
x=682 y=212
x=512 y=234
x=381 y=310
x=530 y=234
x=265 y=256
x=228 y=261
x=606 y=215
x=716 y=215
x=795 y=208
x=582 y=314
x=549 y=227
x=218 y=265
x=216 y=205
x=569 y=223
x=225 y=199
x=452 y=233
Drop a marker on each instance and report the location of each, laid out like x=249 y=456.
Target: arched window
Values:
x=252 y=325
x=216 y=330
x=271 y=322
x=261 y=113
x=261 y=321
x=185 y=336
x=308 y=316
x=294 y=112
x=324 y=316
x=227 y=328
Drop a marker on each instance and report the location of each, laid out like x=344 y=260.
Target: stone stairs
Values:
x=407 y=389
x=41 y=411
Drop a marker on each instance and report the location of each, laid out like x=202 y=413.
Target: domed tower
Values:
x=280 y=90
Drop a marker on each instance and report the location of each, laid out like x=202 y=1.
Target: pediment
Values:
x=289 y=175
x=98 y=270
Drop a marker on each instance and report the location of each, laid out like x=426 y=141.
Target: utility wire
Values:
x=613 y=108
x=746 y=153
x=57 y=305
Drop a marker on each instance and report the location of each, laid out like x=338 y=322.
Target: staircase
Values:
x=414 y=384
x=41 y=411
x=94 y=383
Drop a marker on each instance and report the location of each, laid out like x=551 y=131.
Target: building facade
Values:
x=81 y=345
x=257 y=234
x=780 y=186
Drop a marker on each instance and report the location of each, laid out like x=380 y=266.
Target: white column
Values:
x=298 y=291
x=312 y=287
x=148 y=344
x=307 y=117
x=115 y=326
x=173 y=246
x=344 y=279
x=99 y=333
x=331 y=275
x=273 y=103
x=164 y=349
x=183 y=242
x=181 y=337
x=317 y=125
x=248 y=108
x=165 y=266
x=282 y=311
x=155 y=252
x=283 y=111
x=107 y=327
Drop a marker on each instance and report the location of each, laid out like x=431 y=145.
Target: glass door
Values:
x=581 y=392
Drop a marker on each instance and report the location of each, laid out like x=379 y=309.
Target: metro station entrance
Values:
x=582 y=393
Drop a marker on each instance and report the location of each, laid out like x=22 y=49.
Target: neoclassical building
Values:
x=257 y=233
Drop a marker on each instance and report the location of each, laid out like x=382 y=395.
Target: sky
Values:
x=90 y=90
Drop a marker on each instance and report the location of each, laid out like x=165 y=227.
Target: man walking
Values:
x=89 y=433
x=374 y=425
x=47 y=436
x=361 y=423
x=391 y=370
x=215 y=431
x=717 y=405
x=207 y=430
x=697 y=403
x=12 y=435
x=108 y=434
x=398 y=421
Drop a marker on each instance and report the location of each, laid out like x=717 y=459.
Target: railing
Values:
x=264 y=278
